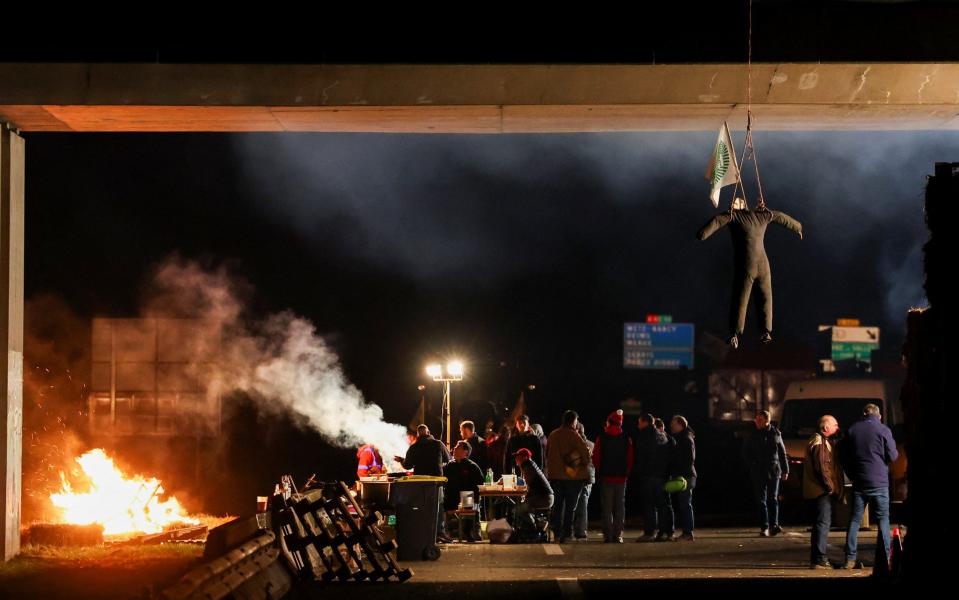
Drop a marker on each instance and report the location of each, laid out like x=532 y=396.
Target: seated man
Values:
x=463 y=475
x=539 y=494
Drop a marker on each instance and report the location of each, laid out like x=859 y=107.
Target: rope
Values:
x=749 y=148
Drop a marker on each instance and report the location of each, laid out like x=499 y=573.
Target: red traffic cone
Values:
x=895 y=554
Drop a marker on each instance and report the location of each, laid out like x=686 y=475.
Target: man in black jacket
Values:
x=523 y=437
x=748 y=228
x=765 y=455
x=653 y=454
x=462 y=475
x=426 y=456
x=478 y=455
x=683 y=464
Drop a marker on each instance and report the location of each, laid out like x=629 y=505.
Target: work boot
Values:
x=766 y=337
x=821 y=565
x=849 y=564
x=647 y=537
x=686 y=537
x=734 y=341
x=763 y=533
x=775 y=530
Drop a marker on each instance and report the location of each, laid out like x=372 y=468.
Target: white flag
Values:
x=723 y=169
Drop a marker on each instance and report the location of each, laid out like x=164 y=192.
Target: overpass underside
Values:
x=481 y=99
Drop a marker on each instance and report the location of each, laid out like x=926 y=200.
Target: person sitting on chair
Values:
x=462 y=475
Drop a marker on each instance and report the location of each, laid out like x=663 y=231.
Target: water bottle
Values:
x=489 y=476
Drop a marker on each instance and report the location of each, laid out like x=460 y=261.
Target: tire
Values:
x=431 y=552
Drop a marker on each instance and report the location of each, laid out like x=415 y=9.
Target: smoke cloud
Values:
x=279 y=361
x=485 y=209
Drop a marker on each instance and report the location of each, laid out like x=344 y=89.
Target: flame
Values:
x=123 y=505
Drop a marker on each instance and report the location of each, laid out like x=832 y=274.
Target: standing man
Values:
x=866 y=453
x=653 y=453
x=426 y=456
x=522 y=437
x=822 y=482
x=613 y=458
x=683 y=464
x=568 y=471
x=468 y=434
x=581 y=516
x=765 y=455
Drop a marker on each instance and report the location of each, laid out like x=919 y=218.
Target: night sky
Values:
x=522 y=254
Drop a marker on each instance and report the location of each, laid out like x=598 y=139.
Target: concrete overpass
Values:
x=478 y=99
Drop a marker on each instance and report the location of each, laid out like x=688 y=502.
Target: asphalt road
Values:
x=726 y=557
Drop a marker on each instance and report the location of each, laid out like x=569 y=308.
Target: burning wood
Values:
x=118 y=503
x=196 y=533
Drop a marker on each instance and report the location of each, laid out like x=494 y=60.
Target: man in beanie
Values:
x=613 y=458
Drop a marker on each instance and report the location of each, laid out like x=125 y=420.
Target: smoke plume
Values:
x=280 y=361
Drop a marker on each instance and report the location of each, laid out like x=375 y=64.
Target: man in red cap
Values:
x=539 y=494
x=613 y=458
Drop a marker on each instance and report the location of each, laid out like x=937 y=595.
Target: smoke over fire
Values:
x=280 y=361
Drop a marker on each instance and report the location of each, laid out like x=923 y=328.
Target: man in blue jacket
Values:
x=865 y=454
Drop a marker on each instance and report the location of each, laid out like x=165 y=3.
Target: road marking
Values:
x=552 y=549
x=569 y=587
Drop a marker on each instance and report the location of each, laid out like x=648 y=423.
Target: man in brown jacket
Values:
x=822 y=482
x=567 y=467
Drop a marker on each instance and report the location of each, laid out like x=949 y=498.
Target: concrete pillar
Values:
x=11 y=335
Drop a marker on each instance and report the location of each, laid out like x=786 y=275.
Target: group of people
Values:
x=653 y=456
x=561 y=469
x=862 y=457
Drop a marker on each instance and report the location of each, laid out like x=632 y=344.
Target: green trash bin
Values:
x=416 y=500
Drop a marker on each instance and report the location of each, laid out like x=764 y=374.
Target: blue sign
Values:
x=658 y=345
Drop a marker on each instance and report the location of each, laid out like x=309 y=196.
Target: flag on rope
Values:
x=723 y=169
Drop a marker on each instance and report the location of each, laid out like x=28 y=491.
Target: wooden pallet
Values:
x=326 y=535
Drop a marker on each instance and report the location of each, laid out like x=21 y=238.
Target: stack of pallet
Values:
x=325 y=535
